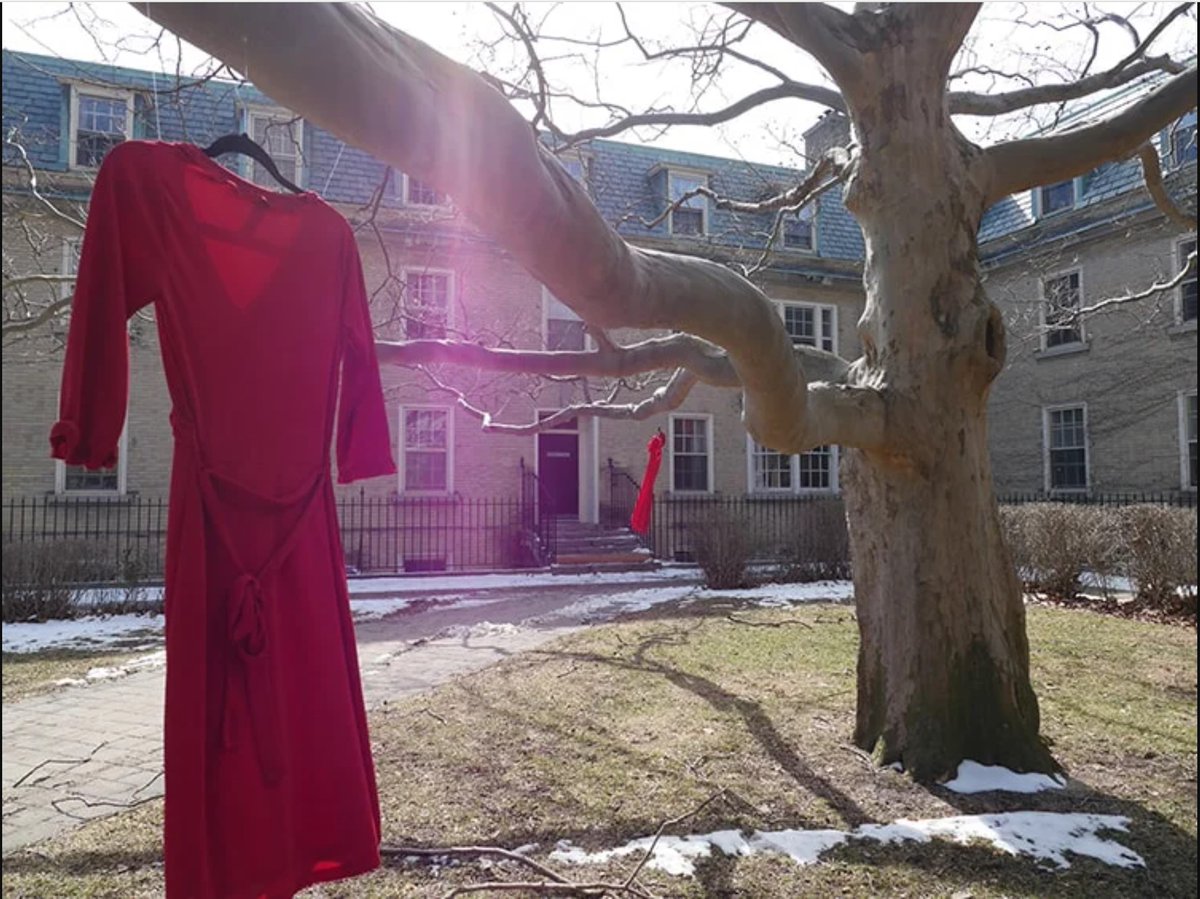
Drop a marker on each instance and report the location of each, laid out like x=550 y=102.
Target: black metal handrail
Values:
x=538 y=523
x=623 y=492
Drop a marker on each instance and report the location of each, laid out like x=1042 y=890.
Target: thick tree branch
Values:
x=1152 y=173
x=58 y=307
x=830 y=36
x=398 y=99
x=1022 y=164
x=971 y=103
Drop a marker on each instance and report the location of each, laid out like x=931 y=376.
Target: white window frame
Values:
x=402 y=468
x=432 y=207
x=1185 y=468
x=109 y=93
x=72 y=250
x=818 y=309
x=694 y=175
x=1043 y=306
x=753 y=489
x=1087 y=449
x=548 y=299
x=451 y=292
x=1178 y=260
x=708 y=437
x=280 y=115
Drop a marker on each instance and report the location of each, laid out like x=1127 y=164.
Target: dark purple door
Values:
x=558 y=470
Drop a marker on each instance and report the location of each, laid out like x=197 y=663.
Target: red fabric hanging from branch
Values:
x=640 y=521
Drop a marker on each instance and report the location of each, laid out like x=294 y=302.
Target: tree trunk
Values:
x=943 y=669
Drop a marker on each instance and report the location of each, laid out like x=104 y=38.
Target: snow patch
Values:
x=89 y=632
x=479 y=629
x=973 y=777
x=1045 y=836
x=775 y=595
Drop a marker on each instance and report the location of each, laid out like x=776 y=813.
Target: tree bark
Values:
x=943 y=668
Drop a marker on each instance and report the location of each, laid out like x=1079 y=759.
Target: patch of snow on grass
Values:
x=369 y=609
x=89 y=632
x=973 y=777
x=1046 y=836
x=770 y=595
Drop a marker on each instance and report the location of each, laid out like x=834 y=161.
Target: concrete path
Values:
x=89 y=751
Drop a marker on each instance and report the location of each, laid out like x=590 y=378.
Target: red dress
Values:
x=639 y=522
x=260 y=305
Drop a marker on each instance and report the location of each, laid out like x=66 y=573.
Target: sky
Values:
x=1006 y=36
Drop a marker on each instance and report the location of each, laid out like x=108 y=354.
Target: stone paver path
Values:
x=89 y=751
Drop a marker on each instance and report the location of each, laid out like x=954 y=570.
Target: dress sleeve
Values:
x=364 y=448
x=118 y=272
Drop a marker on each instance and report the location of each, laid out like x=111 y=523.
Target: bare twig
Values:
x=28 y=774
x=662 y=828
x=784 y=623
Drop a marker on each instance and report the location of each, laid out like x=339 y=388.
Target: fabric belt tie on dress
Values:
x=247 y=629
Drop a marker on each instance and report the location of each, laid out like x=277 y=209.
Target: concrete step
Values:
x=602 y=558
x=597 y=544
x=603 y=567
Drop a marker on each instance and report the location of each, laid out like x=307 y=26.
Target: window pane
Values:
x=689 y=444
x=101 y=127
x=1062 y=302
x=1183 y=144
x=1056 y=197
x=800 y=322
x=798 y=229
x=771 y=470
x=565 y=335
x=816 y=469
x=1068 y=453
x=688 y=218
x=426 y=449
x=1190 y=415
x=79 y=478
x=428 y=305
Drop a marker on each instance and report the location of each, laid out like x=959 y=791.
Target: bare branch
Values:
x=1152 y=173
x=31 y=174
x=971 y=103
x=665 y=399
x=1188 y=269
x=32 y=323
x=1022 y=164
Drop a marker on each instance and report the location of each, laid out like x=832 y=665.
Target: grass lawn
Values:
x=601 y=736
x=29 y=674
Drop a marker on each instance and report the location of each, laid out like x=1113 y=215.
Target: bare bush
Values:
x=1160 y=551
x=820 y=546
x=1054 y=544
x=38 y=581
x=723 y=544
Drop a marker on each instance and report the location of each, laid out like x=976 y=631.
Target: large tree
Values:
x=943 y=670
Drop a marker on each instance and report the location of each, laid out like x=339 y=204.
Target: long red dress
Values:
x=639 y=522
x=260 y=304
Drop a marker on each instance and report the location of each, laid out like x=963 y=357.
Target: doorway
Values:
x=558 y=471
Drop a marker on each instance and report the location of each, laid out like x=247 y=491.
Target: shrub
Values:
x=38 y=581
x=723 y=546
x=1160 y=550
x=820 y=545
x=1053 y=544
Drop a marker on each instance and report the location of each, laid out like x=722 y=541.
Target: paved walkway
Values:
x=89 y=751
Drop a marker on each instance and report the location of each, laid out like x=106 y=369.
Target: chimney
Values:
x=831 y=130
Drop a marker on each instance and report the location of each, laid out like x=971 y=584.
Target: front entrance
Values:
x=558 y=471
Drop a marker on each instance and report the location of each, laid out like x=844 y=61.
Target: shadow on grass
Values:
x=757 y=722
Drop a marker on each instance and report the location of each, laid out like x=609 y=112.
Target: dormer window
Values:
x=100 y=119
x=419 y=193
x=690 y=217
x=1183 y=141
x=281 y=134
x=798 y=228
x=1058 y=197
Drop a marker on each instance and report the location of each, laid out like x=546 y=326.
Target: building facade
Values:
x=1107 y=403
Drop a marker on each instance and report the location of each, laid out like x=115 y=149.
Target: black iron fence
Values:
x=1178 y=498
x=123 y=540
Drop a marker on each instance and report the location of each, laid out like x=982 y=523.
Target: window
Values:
x=576 y=166
x=817 y=469
x=418 y=193
x=1187 y=288
x=425 y=450
x=282 y=136
x=691 y=456
x=1054 y=198
x=100 y=118
x=770 y=471
x=72 y=248
x=1061 y=297
x=1183 y=142
x=564 y=330
x=811 y=325
x=798 y=228
x=1187 y=440
x=429 y=295
x=773 y=472
x=1066 y=448
x=690 y=217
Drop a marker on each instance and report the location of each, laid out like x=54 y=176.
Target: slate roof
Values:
x=622 y=177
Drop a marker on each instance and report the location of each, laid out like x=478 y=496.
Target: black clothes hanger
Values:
x=241 y=143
